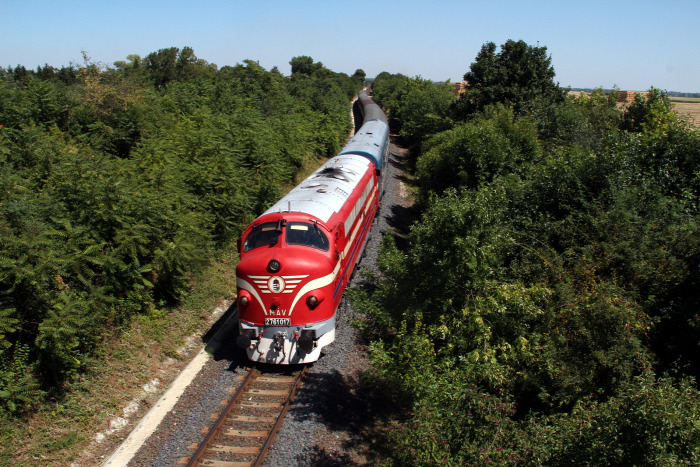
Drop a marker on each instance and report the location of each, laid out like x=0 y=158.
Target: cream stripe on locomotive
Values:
x=315 y=284
x=245 y=285
x=277 y=284
x=370 y=189
x=365 y=212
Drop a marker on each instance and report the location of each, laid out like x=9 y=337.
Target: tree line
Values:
x=119 y=183
x=544 y=309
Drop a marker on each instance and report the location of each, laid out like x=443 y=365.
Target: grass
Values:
x=63 y=430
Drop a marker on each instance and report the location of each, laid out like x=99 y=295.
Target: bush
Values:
x=120 y=185
x=545 y=287
x=477 y=152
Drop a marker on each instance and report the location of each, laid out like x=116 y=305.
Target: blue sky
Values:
x=631 y=44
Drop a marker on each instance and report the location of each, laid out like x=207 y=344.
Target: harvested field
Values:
x=685 y=107
x=688 y=107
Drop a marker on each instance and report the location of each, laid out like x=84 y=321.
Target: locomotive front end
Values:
x=285 y=282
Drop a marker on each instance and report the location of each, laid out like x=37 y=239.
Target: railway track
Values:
x=246 y=428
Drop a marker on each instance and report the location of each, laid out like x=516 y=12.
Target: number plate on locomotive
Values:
x=276 y=321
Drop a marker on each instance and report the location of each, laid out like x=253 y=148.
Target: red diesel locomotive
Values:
x=298 y=256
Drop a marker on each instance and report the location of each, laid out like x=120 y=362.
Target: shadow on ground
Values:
x=351 y=409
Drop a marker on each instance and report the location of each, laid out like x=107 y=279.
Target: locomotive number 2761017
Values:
x=276 y=321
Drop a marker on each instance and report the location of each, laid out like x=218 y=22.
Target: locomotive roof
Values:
x=326 y=190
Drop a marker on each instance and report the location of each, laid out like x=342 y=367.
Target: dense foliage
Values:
x=546 y=308
x=416 y=107
x=519 y=75
x=118 y=184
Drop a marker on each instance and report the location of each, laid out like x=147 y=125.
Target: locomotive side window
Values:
x=303 y=233
x=261 y=235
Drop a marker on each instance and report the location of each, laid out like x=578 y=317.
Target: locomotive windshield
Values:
x=303 y=233
x=297 y=233
x=261 y=235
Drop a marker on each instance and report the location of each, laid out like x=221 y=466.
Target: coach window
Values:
x=261 y=235
x=303 y=233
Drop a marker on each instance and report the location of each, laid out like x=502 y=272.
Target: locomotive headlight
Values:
x=312 y=301
x=243 y=298
x=274 y=266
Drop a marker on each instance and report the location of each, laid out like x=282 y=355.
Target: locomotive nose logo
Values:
x=276 y=284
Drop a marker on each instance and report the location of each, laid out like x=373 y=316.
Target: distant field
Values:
x=687 y=107
x=689 y=100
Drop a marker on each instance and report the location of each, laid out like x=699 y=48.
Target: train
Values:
x=297 y=258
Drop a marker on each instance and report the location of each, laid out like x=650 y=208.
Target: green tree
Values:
x=423 y=110
x=477 y=152
x=417 y=108
x=118 y=185
x=162 y=65
x=650 y=113
x=360 y=75
x=519 y=75
x=304 y=65
x=547 y=284
x=387 y=89
x=585 y=121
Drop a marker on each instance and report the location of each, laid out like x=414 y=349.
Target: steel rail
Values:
x=280 y=418
x=252 y=374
